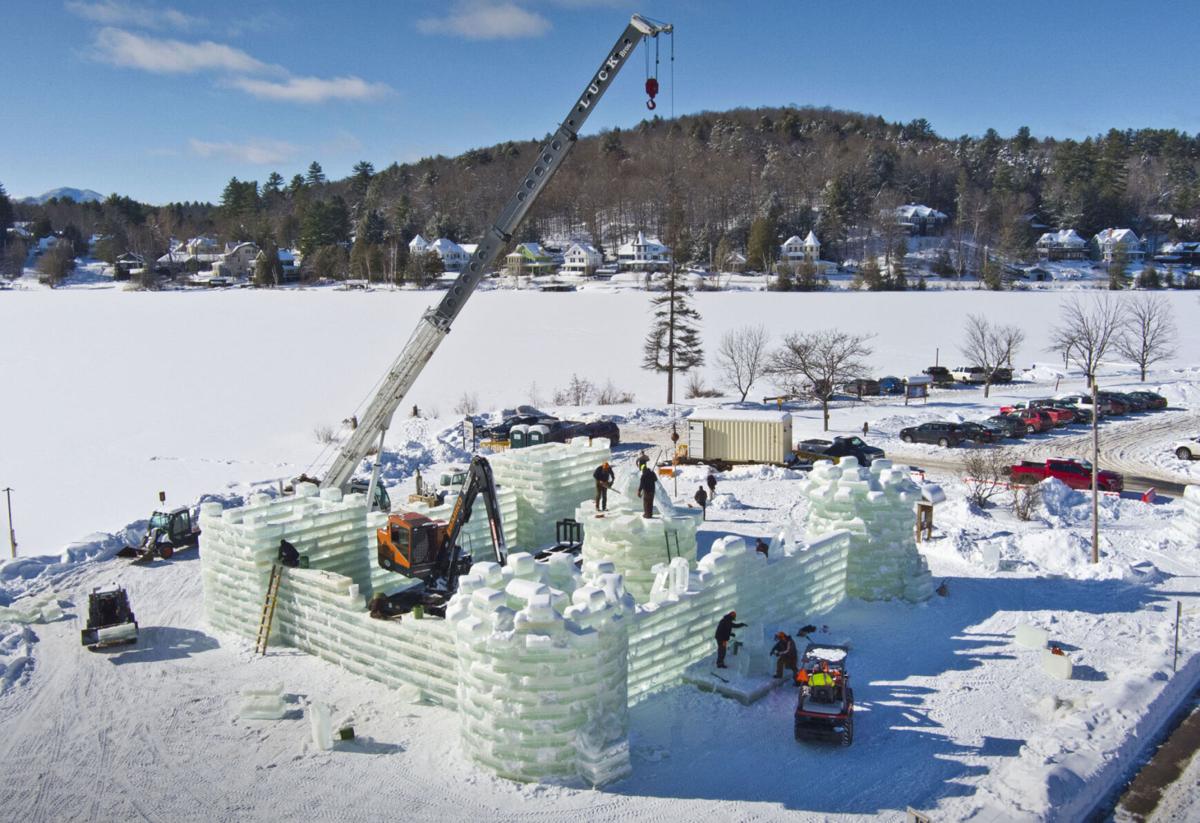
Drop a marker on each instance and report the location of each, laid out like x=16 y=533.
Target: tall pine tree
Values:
x=673 y=344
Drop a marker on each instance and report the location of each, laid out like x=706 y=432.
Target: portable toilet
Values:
x=518 y=436
x=537 y=434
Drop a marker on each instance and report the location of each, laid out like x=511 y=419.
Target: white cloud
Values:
x=311 y=89
x=123 y=48
x=257 y=151
x=487 y=20
x=118 y=13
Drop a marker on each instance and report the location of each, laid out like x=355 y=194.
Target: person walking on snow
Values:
x=866 y=428
x=642 y=461
x=711 y=480
x=604 y=479
x=785 y=650
x=702 y=499
x=647 y=484
x=724 y=632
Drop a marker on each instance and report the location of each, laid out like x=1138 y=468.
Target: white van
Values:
x=969 y=374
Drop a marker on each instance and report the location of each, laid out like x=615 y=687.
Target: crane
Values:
x=428 y=550
x=435 y=323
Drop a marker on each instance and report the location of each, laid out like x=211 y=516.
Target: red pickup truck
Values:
x=1075 y=473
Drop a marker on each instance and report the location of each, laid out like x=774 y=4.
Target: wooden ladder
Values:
x=268 y=612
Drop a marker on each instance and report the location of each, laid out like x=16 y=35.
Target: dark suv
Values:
x=940 y=375
x=943 y=434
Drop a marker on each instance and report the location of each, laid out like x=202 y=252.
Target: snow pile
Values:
x=16 y=654
x=1062 y=503
x=636 y=545
x=1188 y=526
x=550 y=480
x=542 y=666
x=876 y=506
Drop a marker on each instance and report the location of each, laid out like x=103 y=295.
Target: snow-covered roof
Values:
x=811 y=240
x=794 y=240
x=469 y=248
x=914 y=211
x=418 y=242
x=1124 y=236
x=443 y=246
x=583 y=248
x=1064 y=238
x=650 y=244
x=748 y=415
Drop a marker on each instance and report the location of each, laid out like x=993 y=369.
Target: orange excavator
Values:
x=428 y=550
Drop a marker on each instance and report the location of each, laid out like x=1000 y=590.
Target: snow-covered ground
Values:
x=111 y=396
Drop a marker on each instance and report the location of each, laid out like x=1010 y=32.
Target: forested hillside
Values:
x=692 y=181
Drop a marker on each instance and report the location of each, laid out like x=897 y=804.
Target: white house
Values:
x=795 y=251
x=920 y=220
x=202 y=245
x=643 y=254
x=582 y=259
x=454 y=257
x=418 y=245
x=1108 y=240
x=1065 y=244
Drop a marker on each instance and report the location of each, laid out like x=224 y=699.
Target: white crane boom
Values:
x=435 y=323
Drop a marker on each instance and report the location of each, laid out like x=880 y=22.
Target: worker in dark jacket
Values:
x=647 y=485
x=604 y=479
x=702 y=501
x=724 y=632
x=785 y=650
x=712 y=484
x=642 y=461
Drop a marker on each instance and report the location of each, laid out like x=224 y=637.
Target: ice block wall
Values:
x=542 y=666
x=1188 y=526
x=634 y=544
x=795 y=582
x=876 y=506
x=549 y=481
x=322 y=609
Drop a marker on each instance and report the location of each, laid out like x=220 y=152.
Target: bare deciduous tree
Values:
x=1148 y=334
x=1086 y=331
x=742 y=357
x=817 y=361
x=990 y=347
x=986 y=473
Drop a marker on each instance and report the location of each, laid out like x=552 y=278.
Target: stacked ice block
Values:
x=1188 y=526
x=549 y=481
x=542 y=666
x=321 y=609
x=636 y=545
x=876 y=506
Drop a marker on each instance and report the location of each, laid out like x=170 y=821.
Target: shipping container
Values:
x=736 y=436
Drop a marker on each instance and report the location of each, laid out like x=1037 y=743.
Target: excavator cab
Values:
x=411 y=544
x=175 y=525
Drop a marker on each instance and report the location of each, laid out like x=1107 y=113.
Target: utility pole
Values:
x=1095 y=471
x=12 y=535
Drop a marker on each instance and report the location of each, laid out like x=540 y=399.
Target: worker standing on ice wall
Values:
x=646 y=488
x=724 y=632
x=604 y=480
x=785 y=651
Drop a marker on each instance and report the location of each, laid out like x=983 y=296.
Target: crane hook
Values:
x=652 y=91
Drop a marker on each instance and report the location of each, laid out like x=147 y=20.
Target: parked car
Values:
x=1002 y=375
x=891 y=385
x=1034 y=420
x=940 y=375
x=861 y=387
x=1188 y=449
x=1084 y=401
x=1011 y=426
x=943 y=434
x=1154 y=401
x=969 y=374
x=980 y=433
x=1075 y=473
x=838 y=448
x=1116 y=401
x=1136 y=403
x=563 y=430
x=1062 y=414
x=1057 y=416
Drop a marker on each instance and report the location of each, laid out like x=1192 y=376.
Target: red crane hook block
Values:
x=652 y=91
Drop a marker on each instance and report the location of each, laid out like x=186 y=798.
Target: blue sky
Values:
x=166 y=101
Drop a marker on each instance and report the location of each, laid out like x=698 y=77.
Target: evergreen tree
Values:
x=760 y=249
x=268 y=269
x=872 y=277
x=1149 y=278
x=315 y=176
x=6 y=216
x=723 y=254
x=782 y=280
x=991 y=276
x=274 y=184
x=673 y=343
x=296 y=186
x=361 y=177
x=1118 y=268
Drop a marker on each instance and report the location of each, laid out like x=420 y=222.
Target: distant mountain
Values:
x=78 y=195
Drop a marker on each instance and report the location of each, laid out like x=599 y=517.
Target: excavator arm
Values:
x=435 y=324
x=479 y=481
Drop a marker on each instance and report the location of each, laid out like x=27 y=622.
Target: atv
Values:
x=825 y=709
x=110 y=620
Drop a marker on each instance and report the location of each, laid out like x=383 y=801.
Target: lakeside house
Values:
x=1065 y=244
x=1109 y=240
x=582 y=259
x=643 y=254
